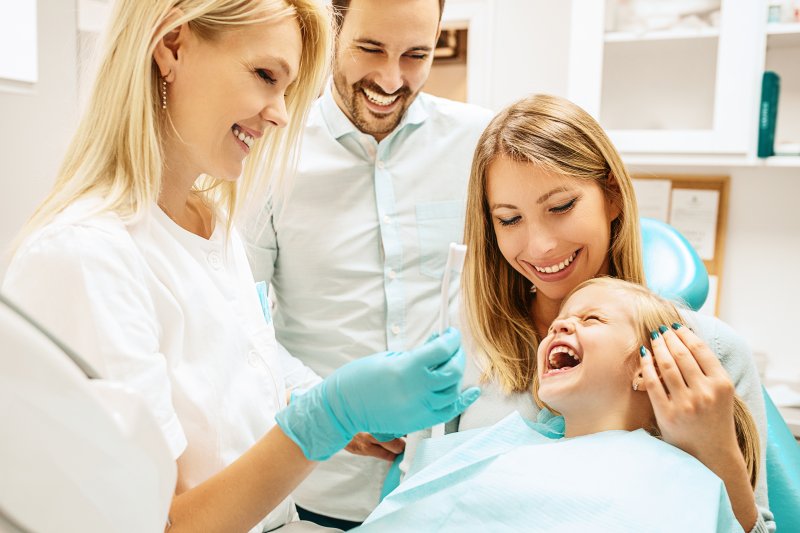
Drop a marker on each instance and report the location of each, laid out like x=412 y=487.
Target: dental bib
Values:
x=510 y=477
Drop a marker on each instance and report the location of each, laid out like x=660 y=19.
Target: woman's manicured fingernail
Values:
x=642 y=351
x=675 y=325
x=654 y=334
x=662 y=329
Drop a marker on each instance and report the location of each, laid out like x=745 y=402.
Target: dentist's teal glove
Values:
x=392 y=393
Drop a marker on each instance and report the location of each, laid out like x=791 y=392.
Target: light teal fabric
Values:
x=510 y=477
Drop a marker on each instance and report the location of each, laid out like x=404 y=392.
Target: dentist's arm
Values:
x=388 y=393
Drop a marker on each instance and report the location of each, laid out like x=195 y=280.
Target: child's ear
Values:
x=638 y=383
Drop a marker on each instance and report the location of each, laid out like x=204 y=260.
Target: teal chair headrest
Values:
x=671 y=265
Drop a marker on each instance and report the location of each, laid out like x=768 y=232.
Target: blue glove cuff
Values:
x=312 y=425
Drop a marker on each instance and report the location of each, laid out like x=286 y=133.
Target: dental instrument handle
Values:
x=455 y=264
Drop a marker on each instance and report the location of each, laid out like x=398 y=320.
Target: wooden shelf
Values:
x=662 y=35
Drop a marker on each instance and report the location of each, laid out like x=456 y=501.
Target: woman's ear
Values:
x=613 y=197
x=168 y=49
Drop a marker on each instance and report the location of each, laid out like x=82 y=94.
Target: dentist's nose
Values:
x=275 y=113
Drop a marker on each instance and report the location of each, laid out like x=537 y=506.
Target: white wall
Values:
x=761 y=293
x=37 y=120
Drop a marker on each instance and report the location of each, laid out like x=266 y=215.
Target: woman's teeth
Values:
x=246 y=139
x=379 y=99
x=557 y=268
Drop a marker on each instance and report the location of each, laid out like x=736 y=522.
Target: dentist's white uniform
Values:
x=171 y=314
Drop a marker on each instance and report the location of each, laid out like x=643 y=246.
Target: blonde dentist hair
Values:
x=559 y=136
x=116 y=152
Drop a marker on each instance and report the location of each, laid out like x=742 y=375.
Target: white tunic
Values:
x=171 y=314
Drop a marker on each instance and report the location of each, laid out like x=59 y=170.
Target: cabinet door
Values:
x=673 y=89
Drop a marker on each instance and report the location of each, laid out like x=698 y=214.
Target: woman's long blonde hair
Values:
x=117 y=151
x=560 y=137
x=649 y=311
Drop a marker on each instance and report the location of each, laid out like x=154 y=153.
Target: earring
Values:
x=163 y=93
x=636 y=383
x=533 y=289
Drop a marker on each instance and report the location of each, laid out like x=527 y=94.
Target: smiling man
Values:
x=355 y=252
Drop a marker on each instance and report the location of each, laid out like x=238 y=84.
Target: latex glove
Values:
x=390 y=393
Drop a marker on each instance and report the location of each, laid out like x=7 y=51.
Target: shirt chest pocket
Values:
x=438 y=224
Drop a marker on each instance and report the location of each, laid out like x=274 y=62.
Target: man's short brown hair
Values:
x=340 y=8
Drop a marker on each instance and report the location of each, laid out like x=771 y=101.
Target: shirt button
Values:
x=396 y=329
x=381 y=165
x=252 y=358
x=215 y=260
x=392 y=274
x=387 y=219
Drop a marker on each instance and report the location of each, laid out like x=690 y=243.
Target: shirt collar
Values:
x=339 y=125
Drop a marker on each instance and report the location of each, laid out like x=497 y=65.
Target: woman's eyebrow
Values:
x=543 y=198
x=495 y=206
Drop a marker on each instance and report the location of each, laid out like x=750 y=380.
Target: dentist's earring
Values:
x=163 y=93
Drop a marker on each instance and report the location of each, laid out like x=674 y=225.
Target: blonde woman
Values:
x=133 y=259
x=549 y=206
x=594 y=368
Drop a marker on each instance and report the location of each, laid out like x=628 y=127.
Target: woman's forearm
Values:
x=239 y=496
x=731 y=469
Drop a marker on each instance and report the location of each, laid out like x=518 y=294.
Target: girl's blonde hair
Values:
x=116 y=153
x=560 y=137
x=649 y=311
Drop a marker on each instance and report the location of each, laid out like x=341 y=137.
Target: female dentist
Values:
x=133 y=260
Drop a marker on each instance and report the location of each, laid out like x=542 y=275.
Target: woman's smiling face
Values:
x=552 y=229
x=228 y=91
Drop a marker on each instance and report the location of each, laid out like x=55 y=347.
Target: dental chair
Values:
x=77 y=453
x=674 y=270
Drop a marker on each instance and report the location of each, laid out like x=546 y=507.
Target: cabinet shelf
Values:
x=662 y=35
x=783 y=35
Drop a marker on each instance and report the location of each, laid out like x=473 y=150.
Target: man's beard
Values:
x=361 y=116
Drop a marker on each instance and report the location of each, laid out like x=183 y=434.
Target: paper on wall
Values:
x=652 y=196
x=694 y=214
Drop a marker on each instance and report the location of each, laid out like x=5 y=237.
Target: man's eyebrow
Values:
x=373 y=42
x=365 y=40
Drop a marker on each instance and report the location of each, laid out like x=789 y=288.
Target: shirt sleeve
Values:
x=261 y=243
x=297 y=376
x=735 y=356
x=87 y=287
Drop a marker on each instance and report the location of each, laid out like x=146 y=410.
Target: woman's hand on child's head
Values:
x=693 y=397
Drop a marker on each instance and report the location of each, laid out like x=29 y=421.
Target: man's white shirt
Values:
x=355 y=251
